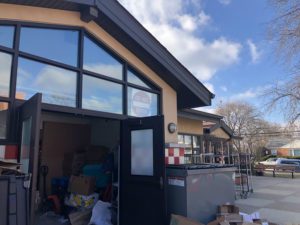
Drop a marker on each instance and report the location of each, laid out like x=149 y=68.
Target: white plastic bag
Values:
x=101 y=214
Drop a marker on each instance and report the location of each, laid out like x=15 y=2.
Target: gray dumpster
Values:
x=195 y=191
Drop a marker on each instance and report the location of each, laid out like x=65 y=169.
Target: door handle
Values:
x=161 y=182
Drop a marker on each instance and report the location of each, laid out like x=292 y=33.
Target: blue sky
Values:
x=222 y=42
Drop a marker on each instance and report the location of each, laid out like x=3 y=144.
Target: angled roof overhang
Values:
x=199 y=115
x=118 y=22
x=215 y=120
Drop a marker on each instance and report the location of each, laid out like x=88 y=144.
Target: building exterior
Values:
x=290 y=149
x=275 y=143
x=207 y=138
x=90 y=63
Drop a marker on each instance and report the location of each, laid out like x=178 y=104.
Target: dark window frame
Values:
x=192 y=144
x=7 y=124
x=16 y=53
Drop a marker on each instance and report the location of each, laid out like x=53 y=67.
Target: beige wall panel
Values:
x=190 y=126
x=53 y=16
x=220 y=133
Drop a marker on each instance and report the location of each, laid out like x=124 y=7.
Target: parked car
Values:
x=282 y=161
x=269 y=161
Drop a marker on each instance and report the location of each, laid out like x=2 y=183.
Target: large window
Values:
x=192 y=150
x=98 y=60
x=101 y=95
x=3 y=119
x=58 y=45
x=7 y=36
x=5 y=70
x=71 y=68
x=296 y=152
x=57 y=85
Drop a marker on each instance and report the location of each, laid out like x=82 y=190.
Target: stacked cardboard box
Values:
x=180 y=220
x=231 y=215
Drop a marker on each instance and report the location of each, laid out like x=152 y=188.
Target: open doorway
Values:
x=78 y=164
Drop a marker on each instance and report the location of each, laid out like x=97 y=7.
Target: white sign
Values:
x=176 y=181
x=140 y=103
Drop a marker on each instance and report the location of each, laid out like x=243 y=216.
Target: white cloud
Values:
x=188 y=22
x=204 y=19
x=209 y=86
x=250 y=93
x=206 y=109
x=175 y=27
x=255 y=54
x=225 y=2
x=224 y=88
x=244 y=95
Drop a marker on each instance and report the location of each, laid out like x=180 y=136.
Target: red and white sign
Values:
x=140 y=103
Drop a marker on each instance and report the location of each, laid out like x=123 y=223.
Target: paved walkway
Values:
x=276 y=199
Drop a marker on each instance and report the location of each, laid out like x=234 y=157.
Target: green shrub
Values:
x=291 y=157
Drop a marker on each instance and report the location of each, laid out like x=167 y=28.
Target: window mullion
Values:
x=13 y=78
x=80 y=65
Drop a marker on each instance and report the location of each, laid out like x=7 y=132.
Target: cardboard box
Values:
x=216 y=222
x=8 y=168
x=228 y=209
x=83 y=185
x=231 y=217
x=180 y=220
x=80 y=217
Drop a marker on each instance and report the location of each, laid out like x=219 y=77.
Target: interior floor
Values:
x=73 y=146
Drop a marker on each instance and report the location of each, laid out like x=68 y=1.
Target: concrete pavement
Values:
x=276 y=199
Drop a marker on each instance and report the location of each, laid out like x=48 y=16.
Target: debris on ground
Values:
x=181 y=220
x=231 y=215
x=227 y=215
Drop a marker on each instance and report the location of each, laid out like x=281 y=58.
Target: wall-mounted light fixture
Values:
x=172 y=127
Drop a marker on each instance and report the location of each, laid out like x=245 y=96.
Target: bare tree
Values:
x=285 y=31
x=285 y=98
x=240 y=117
x=247 y=122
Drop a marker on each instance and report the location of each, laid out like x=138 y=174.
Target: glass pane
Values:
x=57 y=85
x=142 y=152
x=187 y=140
x=134 y=79
x=3 y=119
x=297 y=152
x=180 y=139
x=25 y=145
x=5 y=71
x=54 y=44
x=101 y=95
x=196 y=142
x=97 y=60
x=7 y=36
x=141 y=103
